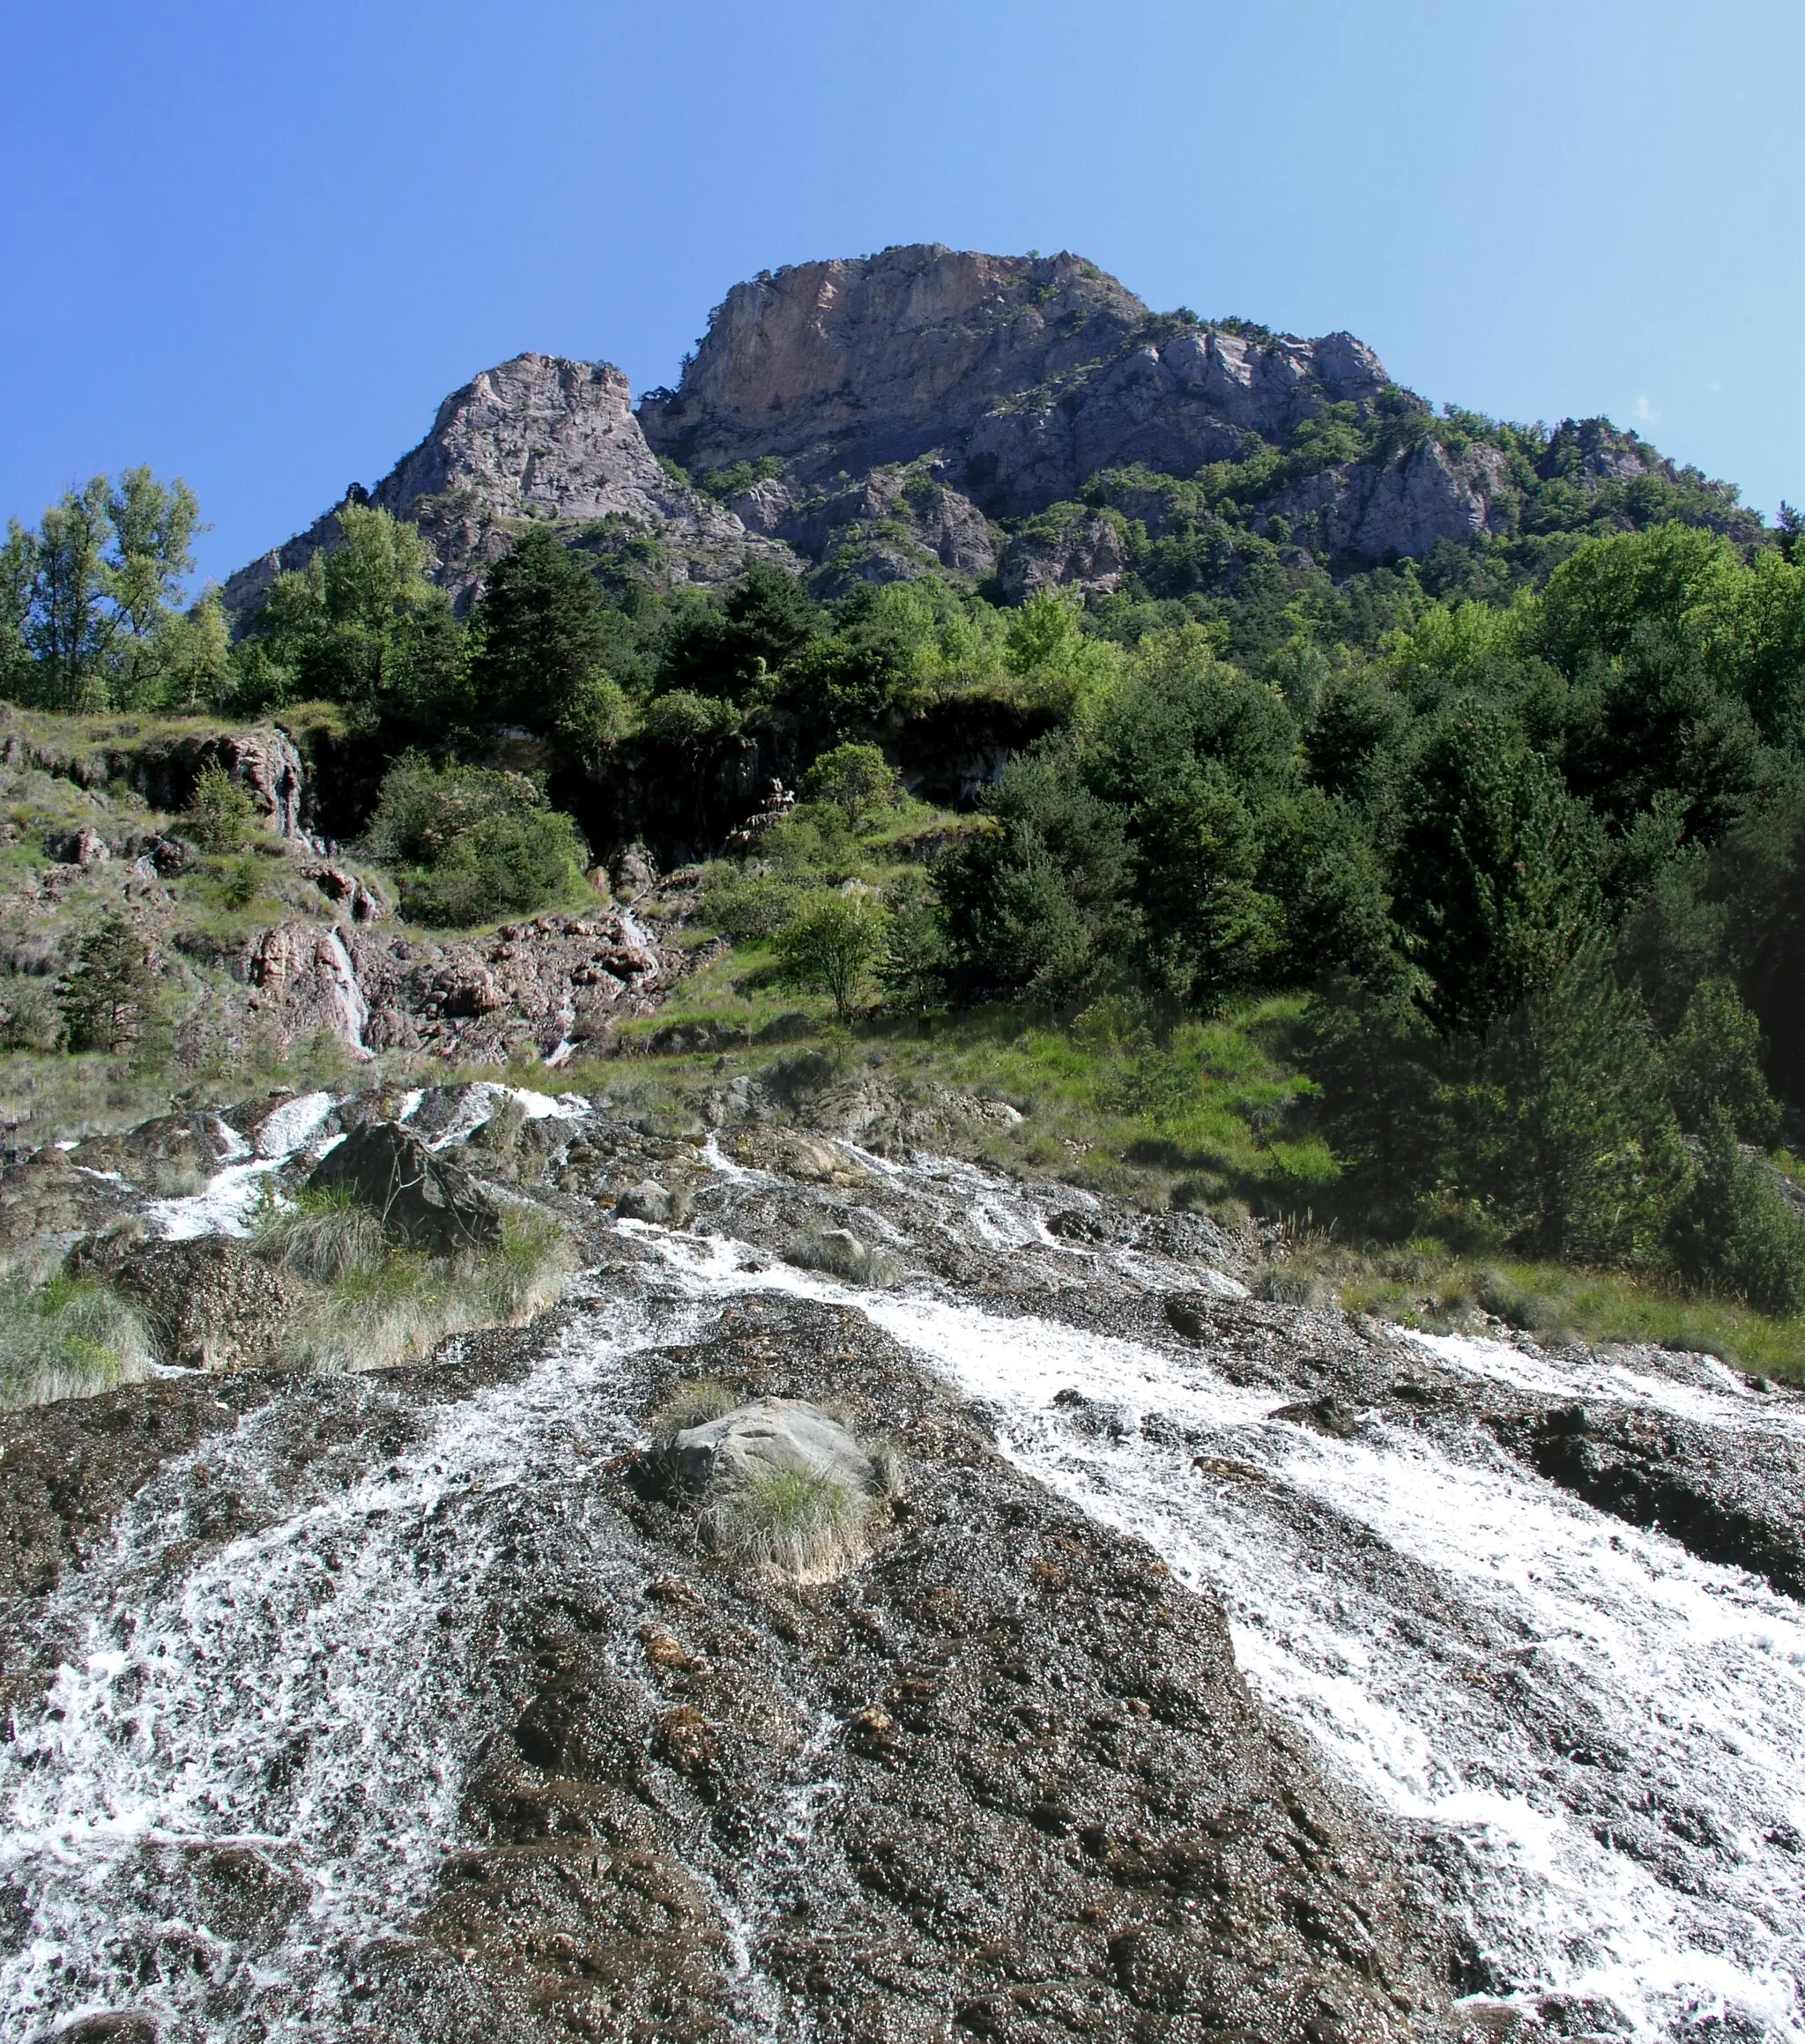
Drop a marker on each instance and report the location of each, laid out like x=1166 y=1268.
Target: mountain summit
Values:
x=904 y=413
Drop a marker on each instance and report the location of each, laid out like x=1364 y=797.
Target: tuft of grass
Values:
x=807 y=1527
x=325 y=1236
x=63 y=1337
x=1293 y=1282
x=403 y=1305
x=695 y=1402
x=838 y=1253
x=892 y=1468
x=526 y=1271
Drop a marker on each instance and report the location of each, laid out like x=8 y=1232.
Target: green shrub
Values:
x=757 y=905
x=473 y=844
x=105 y=998
x=1735 y=1234
x=1715 y=1061
x=681 y=718
x=857 y=779
x=219 y=815
x=30 y=1018
x=832 y=947
x=242 y=881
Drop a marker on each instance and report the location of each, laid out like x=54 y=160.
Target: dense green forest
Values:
x=1525 y=822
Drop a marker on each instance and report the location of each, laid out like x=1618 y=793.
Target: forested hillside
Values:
x=1491 y=858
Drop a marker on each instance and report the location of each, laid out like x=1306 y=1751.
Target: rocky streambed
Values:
x=1223 y=1669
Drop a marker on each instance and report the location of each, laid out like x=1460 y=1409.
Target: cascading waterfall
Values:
x=1469 y=1645
x=1592 y=1734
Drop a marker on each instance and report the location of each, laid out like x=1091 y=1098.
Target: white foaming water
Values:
x=1712 y=1392
x=308 y=1694
x=224 y=1205
x=1471 y=1646
x=482 y=1101
x=1594 y=1735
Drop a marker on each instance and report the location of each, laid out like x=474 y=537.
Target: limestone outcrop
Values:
x=868 y=420
x=536 y=437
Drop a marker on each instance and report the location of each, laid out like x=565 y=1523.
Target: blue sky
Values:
x=254 y=246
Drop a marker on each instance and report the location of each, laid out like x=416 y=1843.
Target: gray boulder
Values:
x=650 y=1201
x=423 y=1200
x=786 y=1434
x=839 y=1252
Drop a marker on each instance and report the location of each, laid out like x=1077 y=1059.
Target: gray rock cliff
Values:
x=866 y=420
x=536 y=437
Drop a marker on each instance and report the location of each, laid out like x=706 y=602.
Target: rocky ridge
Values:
x=873 y=419
x=536 y=437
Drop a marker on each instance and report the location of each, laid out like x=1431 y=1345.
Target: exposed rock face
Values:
x=1030 y=374
x=850 y=365
x=537 y=437
x=304 y=977
x=1402 y=507
x=1170 y=406
x=208 y=1304
x=894 y=525
x=1083 y=552
x=1654 y=1470
x=423 y=1201
x=559 y=980
x=345 y=890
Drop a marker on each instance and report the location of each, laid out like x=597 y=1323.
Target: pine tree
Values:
x=105 y=995
x=544 y=632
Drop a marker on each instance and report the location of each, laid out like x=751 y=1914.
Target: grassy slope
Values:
x=1211 y=1116
x=1214 y=1117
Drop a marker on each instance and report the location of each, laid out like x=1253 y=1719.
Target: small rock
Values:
x=1188 y=1315
x=650 y=1201
x=1323 y=1415
x=1077 y=1224
x=85 y=847
x=684 y=1738
x=634 y=871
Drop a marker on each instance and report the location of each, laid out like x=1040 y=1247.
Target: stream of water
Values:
x=1594 y=1738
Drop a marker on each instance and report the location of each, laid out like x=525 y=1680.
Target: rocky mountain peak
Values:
x=917 y=412
x=538 y=436
x=856 y=363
